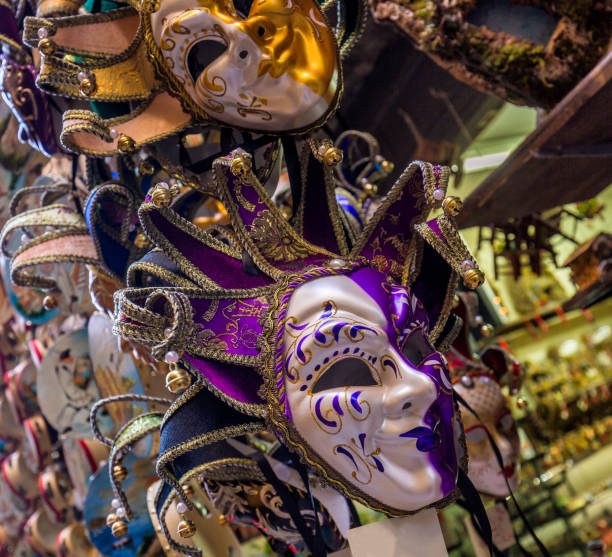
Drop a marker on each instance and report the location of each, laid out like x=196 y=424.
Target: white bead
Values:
x=115 y=503
x=181 y=508
x=467 y=264
x=82 y=75
x=120 y=512
x=479 y=319
x=167 y=331
x=337 y=263
x=171 y=357
x=322 y=149
x=162 y=185
x=43 y=33
x=113 y=133
x=439 y=194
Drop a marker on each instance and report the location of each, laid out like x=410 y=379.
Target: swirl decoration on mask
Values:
x=329 y=341
x=274 y=67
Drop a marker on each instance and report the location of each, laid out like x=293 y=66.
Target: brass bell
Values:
x=487 y=330
x=241 y=164
x=161 y=197
x=177 y=380
x=87 y=86
x=386 y=166
x=119 y=529
x=120 y=472
x=521 y=403
x=188 y=490
x=49 y=303
x=186 y=529
x=333 y=156
x=222 y=520
x=369 y=189
x=146 y=168
x=126 y=144
x=473 y=278
x=111 y=519
x=141 y=241
x=46 y=46
x=452 y=206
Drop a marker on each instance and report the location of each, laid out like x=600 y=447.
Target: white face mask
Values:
x=486 y=399
x=274 y=70
x=365 y=389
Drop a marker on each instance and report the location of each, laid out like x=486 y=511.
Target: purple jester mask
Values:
x=367 y=391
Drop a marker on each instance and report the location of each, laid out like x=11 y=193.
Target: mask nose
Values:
x=412 y=395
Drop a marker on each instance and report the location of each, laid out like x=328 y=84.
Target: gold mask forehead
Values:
x=293 y=36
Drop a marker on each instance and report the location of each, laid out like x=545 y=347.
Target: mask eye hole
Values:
x=416 y=347
x=505 y=423
x=243 y=7
x=202 y=54
x=476 y=434
x=347 y=372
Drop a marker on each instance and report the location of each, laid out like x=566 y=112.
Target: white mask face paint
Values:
x=273 y=70
x=369 y=394
x=486 y=399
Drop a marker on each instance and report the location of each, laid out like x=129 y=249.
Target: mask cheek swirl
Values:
x=361 y=405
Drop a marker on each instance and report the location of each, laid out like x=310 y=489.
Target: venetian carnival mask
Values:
x=273 y=68
x=367 y=391
x=484 y=395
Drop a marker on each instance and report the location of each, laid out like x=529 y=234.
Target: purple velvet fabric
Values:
x=8 y=25
x=239 y=382
x=226 y=271
x=388 y=242
x=28 y=104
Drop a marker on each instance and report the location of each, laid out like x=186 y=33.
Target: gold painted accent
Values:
x=241 y=164
x=146 y=168
x=141 y=241
x=186 y=529
x=161 y=197
x=87 y=86
x=126 y=144
x=452 y=206
x=177 y=380
x=119 y=529
x=120 y=472
x=47 y=46
x=49 y=303
x=473 y=278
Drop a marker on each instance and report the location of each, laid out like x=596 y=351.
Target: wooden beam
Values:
x=564 y=160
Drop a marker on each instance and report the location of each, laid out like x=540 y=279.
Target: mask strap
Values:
x=319 y=548
x=494 y=549
x=293 y=170
x=500 y=461
x=476 y=509
x=287 y=498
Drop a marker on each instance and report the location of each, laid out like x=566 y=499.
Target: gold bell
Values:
x=161 y=197
x=46 y=46
x=49 y=303
x=369 y=189
x=452 y=206
x=87 y=86
x=146 y=168
x=141 y=241
x=120 y=472
x=386 y=166
x=222 y=520
x=473 y=278
x=186 y=529
x=126 y=144
x=241 y=164
x=177 y=380
x=333 y=156
x=487 y=330
x=521 y=403
x=188 y=490
x=111 y=519
x=119 y=529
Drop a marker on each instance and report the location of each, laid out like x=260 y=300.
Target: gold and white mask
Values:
x=273 y=69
